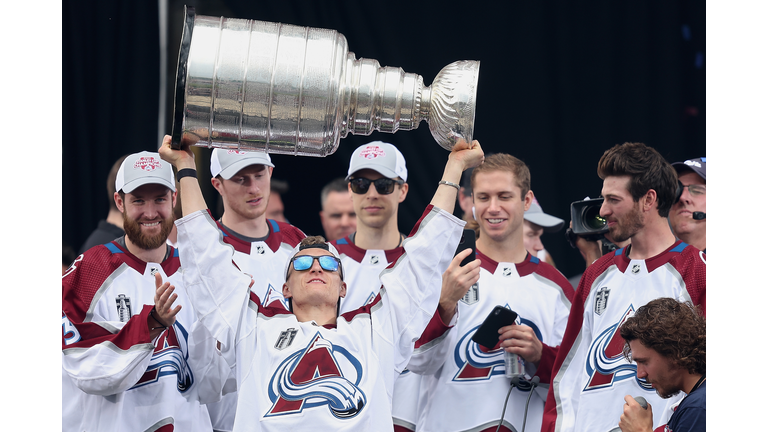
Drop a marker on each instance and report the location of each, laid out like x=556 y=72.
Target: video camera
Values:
x=588 y=224
x=586 y=219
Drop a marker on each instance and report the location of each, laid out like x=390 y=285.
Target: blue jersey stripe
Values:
x=275 y=228
x=680 y=247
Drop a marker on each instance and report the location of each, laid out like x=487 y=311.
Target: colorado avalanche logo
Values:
x=170 y=358
x=605 y=361
x=147 y=164
x=477 y=363
x=313 y=377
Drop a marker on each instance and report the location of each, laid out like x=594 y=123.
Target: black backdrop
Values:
x=560 y=82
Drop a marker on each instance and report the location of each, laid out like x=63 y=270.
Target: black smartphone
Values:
x=467 y=242
x=488 y=333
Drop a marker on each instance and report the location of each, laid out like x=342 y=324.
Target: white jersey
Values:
x=265 y=258
x=361 y=272
x=591 y=375
x=298 y=375
x=114 y=377
x=468 y=392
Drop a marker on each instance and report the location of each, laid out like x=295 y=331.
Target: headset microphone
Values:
x=699 y=215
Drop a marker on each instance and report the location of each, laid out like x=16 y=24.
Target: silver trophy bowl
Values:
x=278 y=88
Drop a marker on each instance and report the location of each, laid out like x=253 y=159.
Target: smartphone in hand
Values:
x=467 y=242
x=488 y=333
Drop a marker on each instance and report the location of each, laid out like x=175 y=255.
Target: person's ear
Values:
x=528 y=200
x=403 y=192
x=119 y=202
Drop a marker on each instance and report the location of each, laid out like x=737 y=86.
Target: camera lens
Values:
x=592 y=218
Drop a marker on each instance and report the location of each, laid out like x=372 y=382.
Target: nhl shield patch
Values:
x=601 y=300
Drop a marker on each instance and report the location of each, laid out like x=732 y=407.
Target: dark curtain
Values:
x=110 y=94
x=560 y=82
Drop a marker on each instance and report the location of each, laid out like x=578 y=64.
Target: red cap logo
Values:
x=372 y=152
x=147 y=164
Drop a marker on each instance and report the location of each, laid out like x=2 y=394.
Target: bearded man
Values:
x=126 y=362
x=590 y=375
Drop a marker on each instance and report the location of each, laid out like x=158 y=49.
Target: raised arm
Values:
x=462 y=157
x=191 y=196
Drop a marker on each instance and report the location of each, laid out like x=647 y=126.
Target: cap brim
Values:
x=233 y=169
x=131 y=186
x=386 y=172
x=549 y=223
x=680 y=166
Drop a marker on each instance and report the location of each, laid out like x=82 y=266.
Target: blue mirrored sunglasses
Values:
x=304 y=262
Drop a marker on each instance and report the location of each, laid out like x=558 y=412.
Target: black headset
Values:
x=679 y=193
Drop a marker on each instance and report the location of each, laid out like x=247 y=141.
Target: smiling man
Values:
x=126 y=359
x=688 y=215
x=313 y=368
x=590 y=376
x=465 y=377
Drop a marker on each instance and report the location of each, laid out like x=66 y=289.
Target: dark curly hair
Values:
x=647 y=170
x=675 y=330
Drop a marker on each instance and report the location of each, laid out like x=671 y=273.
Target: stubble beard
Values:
x=631 y=225
x=666 y=393
x=147 y=242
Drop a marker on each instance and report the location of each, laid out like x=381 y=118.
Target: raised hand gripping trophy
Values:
x=255 y=85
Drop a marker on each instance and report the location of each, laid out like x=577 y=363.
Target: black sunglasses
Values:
x=384 y=186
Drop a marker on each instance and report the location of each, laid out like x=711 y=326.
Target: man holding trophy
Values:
x=311 y=365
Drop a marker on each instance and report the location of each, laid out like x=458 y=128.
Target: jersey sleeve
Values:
x=573 y=328
x=434 y=345
x=562 y=313
x=106 y=358
x=218 y=290
x=101 y=357
x=693 y=267
x=412 y=283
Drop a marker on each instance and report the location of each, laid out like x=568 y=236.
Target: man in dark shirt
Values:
x=668 y=341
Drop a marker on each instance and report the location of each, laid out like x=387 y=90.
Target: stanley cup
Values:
x=255 y=85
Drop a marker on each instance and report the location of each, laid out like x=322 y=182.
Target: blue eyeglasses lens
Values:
x=328 y=263
x=304 y=262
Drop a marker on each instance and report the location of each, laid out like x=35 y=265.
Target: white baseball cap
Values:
x=143 y=168
x=228 y=162
x=384 y=158
x=535 y=214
